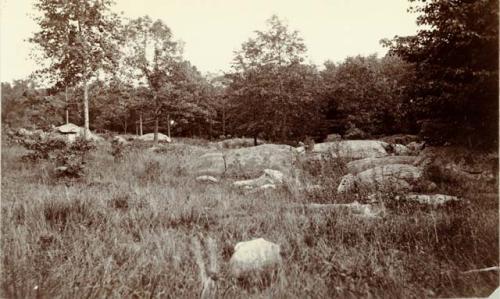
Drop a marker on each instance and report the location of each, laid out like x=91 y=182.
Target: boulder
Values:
x=394 y=177
x=120 y=140
x=357 y=166
x=353 y=149
x=433 y=199
x=244 y=161
x=150 y=137
x=207 y=179
x=268 y=180
x=354 y=208
x=254 y=258
x=400 y=150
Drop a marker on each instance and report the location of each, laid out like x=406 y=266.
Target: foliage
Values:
x=42 y=148
x=76 y=40
x=456 y=57
x=367 y=93
x=274 y=95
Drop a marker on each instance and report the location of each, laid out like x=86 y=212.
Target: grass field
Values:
x=125 y=231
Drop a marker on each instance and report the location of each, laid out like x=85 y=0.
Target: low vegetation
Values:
x=125 y=230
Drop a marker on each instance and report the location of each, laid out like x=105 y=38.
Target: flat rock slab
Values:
x=244 y=161
x=353 y=149
x=363 y=210
x=357 y=166
x=150 y=137
x=394 y=177
x=433 y=199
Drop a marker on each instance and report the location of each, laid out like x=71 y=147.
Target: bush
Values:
x=41 y=148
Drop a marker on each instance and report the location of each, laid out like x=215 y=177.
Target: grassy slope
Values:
x=126 y=230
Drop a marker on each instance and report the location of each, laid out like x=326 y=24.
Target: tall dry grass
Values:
x=125 y=231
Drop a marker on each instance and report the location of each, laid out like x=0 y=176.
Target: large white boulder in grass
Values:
x=353 y=149
x=394 y=177
x=150 y=137
x=357 y=166
x=268 y=180
x=255 y=257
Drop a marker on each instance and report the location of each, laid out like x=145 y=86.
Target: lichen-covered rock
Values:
x=357 y=166
x=150 y=137
x=394 y=177
x=244 y=161
x=353 y=149
x=207 y=179
x=269 y=178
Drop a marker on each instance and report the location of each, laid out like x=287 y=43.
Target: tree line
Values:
x=130 y=76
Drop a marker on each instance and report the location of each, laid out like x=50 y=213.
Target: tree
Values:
x=77 y=39
x=456 y=58
x=270 y=87
x=368 y=93
x=154 y=53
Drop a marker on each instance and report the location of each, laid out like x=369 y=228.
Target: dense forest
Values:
x=130 y=76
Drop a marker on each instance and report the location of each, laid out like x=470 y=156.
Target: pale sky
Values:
x=213 y=29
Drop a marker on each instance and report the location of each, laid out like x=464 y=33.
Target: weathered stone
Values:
x=244 y=161
x=254 y=258
x=394 y=177
x=268 y=180
x=357 y=166
x=355 y=208
x=150 y=137
x=353 y=149
x=120 y=140
x=400 y=150
x=434 y=199
x=207 y=179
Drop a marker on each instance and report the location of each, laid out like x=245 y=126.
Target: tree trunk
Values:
x=67 y=104
x=168 y=125
x=140 y=124
x=157 y=117
x=86 y=127
x=224 y=122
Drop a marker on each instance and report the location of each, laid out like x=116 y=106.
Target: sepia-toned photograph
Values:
x=249 y=149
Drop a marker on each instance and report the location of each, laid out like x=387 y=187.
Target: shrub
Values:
x=41 y=148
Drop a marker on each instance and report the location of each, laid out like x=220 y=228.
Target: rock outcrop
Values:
x=150 y=137
x=270 y=179
x=357 y=166
x=244 y=161
x=353 y=149
x=393 y=177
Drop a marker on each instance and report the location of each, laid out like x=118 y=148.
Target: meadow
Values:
x=125 y=230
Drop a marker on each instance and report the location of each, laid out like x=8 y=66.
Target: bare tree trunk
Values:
x=157 y=117
x=140 y=124
x=67 y=104
x=86 y=127
x=224 y=122
x=168 y=125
